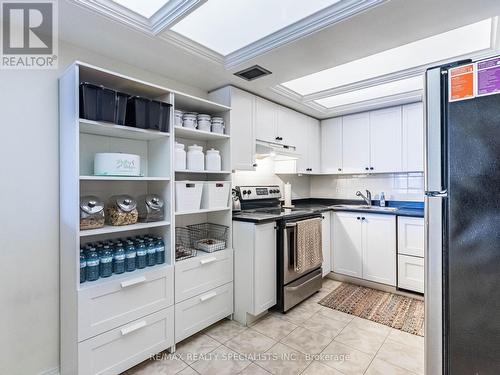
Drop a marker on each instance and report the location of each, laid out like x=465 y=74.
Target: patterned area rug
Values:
x=393 y=310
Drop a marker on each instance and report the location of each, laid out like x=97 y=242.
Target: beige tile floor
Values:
x=310 y=339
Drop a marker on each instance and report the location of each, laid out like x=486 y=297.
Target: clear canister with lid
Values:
x=195 y=158
x=91 y=212
x=180 y=157
x=122 y=210
x=204 y=122
x=178 y=117
x=150 y=208
x=189 y=120
x=218 y=125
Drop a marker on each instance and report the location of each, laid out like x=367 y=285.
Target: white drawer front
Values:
x=199 y=312
x=123 y=347
x=411 y=236
x=411 y=273
x=111 y=304
x=202 y=273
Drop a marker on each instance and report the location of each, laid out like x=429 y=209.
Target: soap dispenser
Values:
x=382 y=199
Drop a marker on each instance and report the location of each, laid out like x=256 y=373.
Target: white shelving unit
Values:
x=97 y=318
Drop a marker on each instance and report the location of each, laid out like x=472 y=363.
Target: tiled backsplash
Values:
x=396 y=186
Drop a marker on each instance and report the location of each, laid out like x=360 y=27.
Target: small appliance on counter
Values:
x=117 y=164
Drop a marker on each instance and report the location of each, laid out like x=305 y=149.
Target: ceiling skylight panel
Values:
x=225 y=26
x=145 y=8
x=374 y=92
x=461 y=41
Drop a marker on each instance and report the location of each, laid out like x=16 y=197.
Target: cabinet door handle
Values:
x=254 y=165
x=133 y=327
x=208 y=296
x=137 y=280
x=362 y=218
x=358 y=218
x=208 y=260
x=371 y=168
x=367 y=168
x=340 y=169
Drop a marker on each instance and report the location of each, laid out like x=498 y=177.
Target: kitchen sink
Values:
x=356 y=207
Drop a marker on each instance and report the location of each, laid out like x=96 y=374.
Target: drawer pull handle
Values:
x=137 y=280
x=133 y=327
x=208 y=260
x=208 y=296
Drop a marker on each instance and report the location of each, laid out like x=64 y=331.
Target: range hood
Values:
x=279 y=151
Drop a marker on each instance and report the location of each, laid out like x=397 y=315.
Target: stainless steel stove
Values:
x=264 y=202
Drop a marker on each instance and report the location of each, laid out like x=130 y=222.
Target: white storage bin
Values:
x=215 y=194
x=188 y=195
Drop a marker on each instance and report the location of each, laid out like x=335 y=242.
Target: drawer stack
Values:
x=124 y=321
x=411 y=253
x=203 y=291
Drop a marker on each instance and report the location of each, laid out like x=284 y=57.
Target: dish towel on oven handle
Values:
x=309 y=252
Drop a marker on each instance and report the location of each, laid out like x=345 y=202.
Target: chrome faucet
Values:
x=367 y=199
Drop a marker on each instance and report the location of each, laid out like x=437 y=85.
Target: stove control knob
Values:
x=244 y=192
x=277 y=191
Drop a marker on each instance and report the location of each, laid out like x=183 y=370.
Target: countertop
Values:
x=404 y=208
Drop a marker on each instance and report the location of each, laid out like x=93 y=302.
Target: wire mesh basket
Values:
x=184 y=245
x=209 y=237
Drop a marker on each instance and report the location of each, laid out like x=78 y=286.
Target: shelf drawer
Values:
x=411 y=236
x=411 y=273
x=202 y=273
x=199 y=312
x=107 y=305
x=123 y=347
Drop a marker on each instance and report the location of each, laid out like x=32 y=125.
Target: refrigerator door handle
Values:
x=437 y=194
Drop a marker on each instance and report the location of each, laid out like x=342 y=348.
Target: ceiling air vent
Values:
x=252 y=73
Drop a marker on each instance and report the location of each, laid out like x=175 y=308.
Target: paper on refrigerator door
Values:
x=488 y=77
x=461 y=83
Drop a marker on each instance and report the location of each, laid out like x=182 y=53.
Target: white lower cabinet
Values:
x=326 y=243
x=117 y=350
x=254 y=268
x=411 y=273
x=197 y=275
x=199 y=312
x=364 y=246
x=122 y=299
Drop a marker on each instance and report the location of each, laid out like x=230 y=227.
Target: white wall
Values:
x=399 y=186
x=29 y=221
x=264 y=175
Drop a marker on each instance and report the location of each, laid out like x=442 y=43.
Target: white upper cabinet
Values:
x=266 y=120
x=331 y=145
x=385 y=140
x=242 y=117
x=313 y=146
x=356 y=143
x=413 y=137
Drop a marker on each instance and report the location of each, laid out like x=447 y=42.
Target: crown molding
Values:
x=300 y=29
x=191 y=46
x=173 y=11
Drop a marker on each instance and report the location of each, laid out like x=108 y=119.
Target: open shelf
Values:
x=198 y=135
x=122 y=228
x=118 y=131
x=122 y=178
x=201 y=172
x=122 y=276
x=191 y=103
x=202 y=211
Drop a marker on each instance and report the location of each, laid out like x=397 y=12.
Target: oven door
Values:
x=290 y=254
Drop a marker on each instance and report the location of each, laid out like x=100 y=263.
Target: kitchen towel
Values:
x=309 y=242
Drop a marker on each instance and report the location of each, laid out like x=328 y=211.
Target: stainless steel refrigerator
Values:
x=462 y=217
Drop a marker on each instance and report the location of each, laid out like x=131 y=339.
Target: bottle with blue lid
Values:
x=141 y=250
x=160 y=250
x=83 y=265
x=92 y=265
x=151 y=252
x=130 y=257
x=106 y=262
x=119 y=258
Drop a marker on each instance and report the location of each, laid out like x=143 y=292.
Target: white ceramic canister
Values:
x=218 y=125
x=189 y=120
x=178 y=117
x=180 y=157
x=195 y=158
x=204 y=122
x=213 y=160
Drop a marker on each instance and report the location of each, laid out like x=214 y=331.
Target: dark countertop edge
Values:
x=332 y=201
x=256 y=221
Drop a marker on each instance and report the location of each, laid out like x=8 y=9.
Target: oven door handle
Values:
x=290 y=225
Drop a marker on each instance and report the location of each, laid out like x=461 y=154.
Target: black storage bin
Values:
x=165 y=117
x=121 y=107
x=137 y=110
x=154 y=115
x=97 y=102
